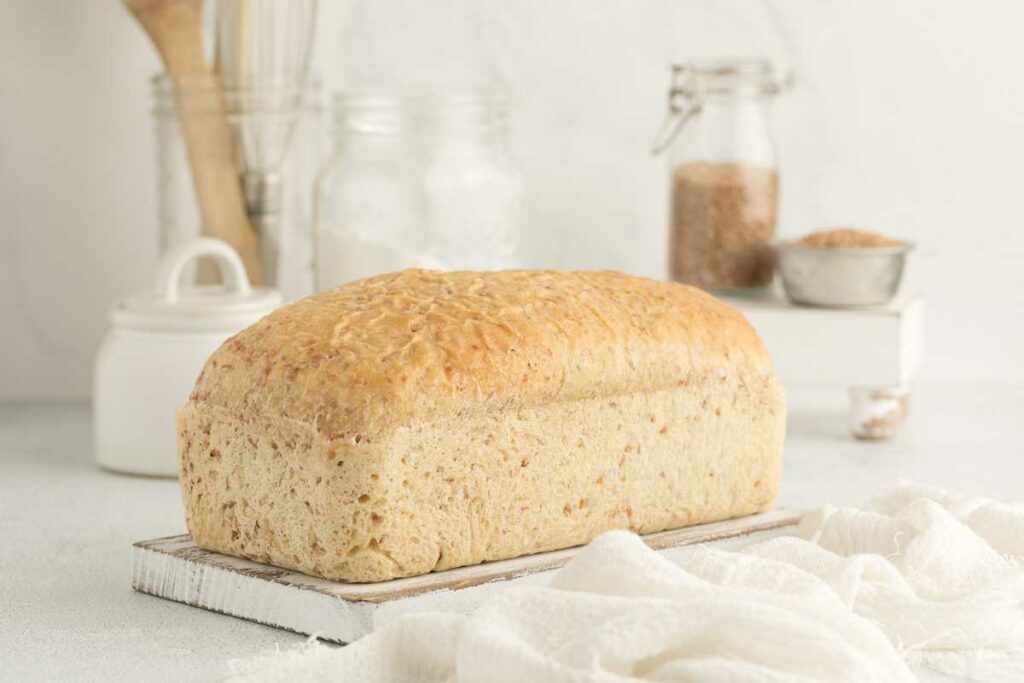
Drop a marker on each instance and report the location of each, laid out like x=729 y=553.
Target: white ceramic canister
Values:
x=158 y=343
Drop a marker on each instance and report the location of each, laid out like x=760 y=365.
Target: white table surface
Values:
x=67 y=611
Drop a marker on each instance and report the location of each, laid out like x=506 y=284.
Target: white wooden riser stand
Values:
x=874 y=352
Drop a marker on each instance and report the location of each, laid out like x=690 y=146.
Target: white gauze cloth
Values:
x=918 y=577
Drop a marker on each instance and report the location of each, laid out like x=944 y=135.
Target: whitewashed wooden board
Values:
x=176 y=569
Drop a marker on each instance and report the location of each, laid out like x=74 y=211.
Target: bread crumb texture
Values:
x=423 y=420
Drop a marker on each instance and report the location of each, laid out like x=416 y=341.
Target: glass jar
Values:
x=267 y=135
x=472 y=190
x=416 y=180
x=724 y=173
x=368 y=204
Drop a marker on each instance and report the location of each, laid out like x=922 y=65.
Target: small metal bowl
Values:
x=840 y=277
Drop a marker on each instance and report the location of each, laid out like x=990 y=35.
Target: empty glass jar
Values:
x=724 y=173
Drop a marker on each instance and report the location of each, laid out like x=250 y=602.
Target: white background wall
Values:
x=908 y=118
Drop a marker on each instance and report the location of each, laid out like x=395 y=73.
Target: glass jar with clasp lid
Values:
x=724 y=172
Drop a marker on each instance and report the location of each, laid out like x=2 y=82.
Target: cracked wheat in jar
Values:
x=722 y=224
x=722 y=165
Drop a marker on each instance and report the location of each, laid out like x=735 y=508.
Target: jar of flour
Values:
x=417 y=180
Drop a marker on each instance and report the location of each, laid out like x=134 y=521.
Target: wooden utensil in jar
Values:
x=175 y=27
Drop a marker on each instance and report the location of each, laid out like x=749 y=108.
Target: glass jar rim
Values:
x=420 y=96
x=280 y=93
x=389 y=110
x=695 y=84
x=730 y=77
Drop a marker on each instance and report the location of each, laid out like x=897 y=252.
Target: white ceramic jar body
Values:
x=155 y=350
x=141 y=379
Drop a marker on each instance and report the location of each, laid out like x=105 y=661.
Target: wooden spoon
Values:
x=175 y=27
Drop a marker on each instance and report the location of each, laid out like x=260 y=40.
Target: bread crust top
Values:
x=365 y=358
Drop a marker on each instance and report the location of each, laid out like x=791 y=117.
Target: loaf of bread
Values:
x=422 y=420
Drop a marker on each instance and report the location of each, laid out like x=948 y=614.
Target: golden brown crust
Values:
x=365 y=358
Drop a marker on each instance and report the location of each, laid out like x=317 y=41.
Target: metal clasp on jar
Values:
x=685 y=100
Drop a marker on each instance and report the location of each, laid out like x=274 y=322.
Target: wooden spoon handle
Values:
x=175 y=27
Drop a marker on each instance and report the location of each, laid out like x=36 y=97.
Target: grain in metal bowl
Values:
x=841 y=268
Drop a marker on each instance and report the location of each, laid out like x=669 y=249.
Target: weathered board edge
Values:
x=460 y=577
x=504 y=570
x=175 y=569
